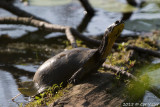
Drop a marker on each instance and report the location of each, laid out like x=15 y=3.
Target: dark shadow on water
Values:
x=83 y=25
x=126 y=16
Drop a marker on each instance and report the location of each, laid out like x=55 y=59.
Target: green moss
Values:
x=122 y=56
x=136 y=89
x=143 y=43
x=49 y=96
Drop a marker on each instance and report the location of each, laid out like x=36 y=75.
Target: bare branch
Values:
x=33 y=22
x=117 y=70
x=143 y=50
x=71 y=38
x=17 y=11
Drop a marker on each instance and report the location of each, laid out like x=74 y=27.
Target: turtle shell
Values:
x=61 y=67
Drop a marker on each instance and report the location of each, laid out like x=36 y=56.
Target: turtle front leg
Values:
x=77 y=76
x=89 y=67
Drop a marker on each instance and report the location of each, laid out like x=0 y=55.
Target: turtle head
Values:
x=111 y=34
x=114 y=30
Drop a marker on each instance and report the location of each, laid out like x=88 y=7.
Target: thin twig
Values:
x=71 y=38
x=117 y=70
x=16 y=97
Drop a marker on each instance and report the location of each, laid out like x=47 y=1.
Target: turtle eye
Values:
x=117 y=22
x=110 y=28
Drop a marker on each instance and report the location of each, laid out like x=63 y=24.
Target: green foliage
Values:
x=122 y=57
x=136 y=89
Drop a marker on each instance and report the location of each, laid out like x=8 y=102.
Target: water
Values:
x=8 y=89
x=24 y=48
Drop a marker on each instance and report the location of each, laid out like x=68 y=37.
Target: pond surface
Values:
x=24 y=48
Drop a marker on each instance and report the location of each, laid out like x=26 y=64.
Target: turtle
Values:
x=73 y=65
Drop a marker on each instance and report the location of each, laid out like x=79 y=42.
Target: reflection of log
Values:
x=72 y=33
x=87 y=7
x=17 y=11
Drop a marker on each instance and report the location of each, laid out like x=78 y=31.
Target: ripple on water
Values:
x=8 y=90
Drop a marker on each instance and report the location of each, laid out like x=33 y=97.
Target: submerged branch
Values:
x=141 y=50
x=146 y=51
